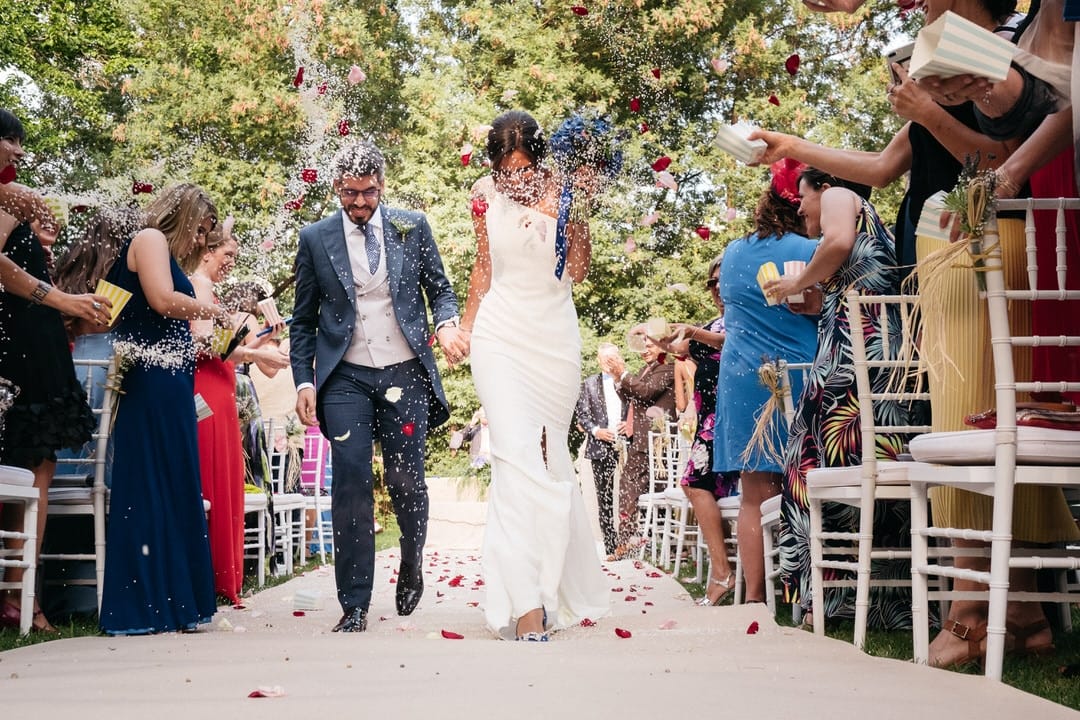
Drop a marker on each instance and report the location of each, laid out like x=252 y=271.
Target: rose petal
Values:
x=466 y=154
x=661 y=163
x=7 y=175
x=656 y=73
x=239 y=606
x=649 y=219
x=138 y=188
x=630 y=598
x=299 y=79
x=343 y=128
x=479 y=206
x=616 y=589
x=792 y=64
x=298 y=613
x=622 y=633
x=579 y=10
x=309 y=175
x=648 y=603
x=719 y=65
x=635 y=104
x=296 y=204
x=431 y=341
x=731 y=214
x=629 y=246
x=702 y=231
x=450 y=635
x=321 y=90
x=508 y=95
x=456 y=581
x=774 y=100
x=356 y=75
x=752 y=628
x=267 y=691
x=666 y=179
x=643 y=128
x=473 y=604
x=586 y=622
x=408 y=428
x=668 y=625
x=654 y=574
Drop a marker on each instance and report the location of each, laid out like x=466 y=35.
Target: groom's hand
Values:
x=454 y=342
x=305 y=406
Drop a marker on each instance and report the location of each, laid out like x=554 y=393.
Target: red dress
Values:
x=1054 y=180
x=221 y=464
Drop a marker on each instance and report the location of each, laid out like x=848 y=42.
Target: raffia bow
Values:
x=762 y=440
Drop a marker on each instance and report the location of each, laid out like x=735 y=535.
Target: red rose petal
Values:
x=450 y=635
x=630 y=598
x=654 y=574
x=648 y=603
x=296 y=204
x=239 y=606
x=309 y=175
x=774 y=100
x=299 y=79
x=343 y=128
x=141 y=188
x=643 y=128
x=792 y=64
x=622 y=633
x=456 y=581
x=322 y=88
x=635 y=104
x=753 y=628
x=393 y=581
x=661 y=163
x=479 y=206
x=7 y=175
x=656 y=73
x=616 y=589
x=586 y=622
x=472 y=604
x=579 y=10
x=298 y=613
x=702 y=231
x=408 y=428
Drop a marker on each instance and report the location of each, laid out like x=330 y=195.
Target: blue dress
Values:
x=756 y=331
x=158 y=576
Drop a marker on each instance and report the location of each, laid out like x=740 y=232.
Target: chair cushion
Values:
x=1034 y=446
x=15 y=476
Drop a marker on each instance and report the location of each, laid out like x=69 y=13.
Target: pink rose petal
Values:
x=450 y=635
x=649 y=219
x=629 y=246
x=668 y=625
x=719 y=65
x=586 y=622
x=622 y=633
x=356 y=75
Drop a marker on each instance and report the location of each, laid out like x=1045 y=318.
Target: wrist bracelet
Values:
x=37 y=295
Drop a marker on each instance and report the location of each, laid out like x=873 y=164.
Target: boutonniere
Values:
x=403 y=225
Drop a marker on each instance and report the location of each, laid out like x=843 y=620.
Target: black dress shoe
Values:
x=354 y=620
x=410 y=587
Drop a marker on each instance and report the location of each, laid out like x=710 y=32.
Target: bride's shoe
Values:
x=728 y=584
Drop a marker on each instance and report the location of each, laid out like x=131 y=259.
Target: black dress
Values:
x=50 y=411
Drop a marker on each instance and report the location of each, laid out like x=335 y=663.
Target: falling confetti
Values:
x=661 y=163
x=702 y=232
x=752 y=628
x=792 y=64
x=393 y=394
x=309 y=175
x=720 y=66
x=450 y=635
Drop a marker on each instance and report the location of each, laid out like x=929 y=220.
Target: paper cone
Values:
x=269 y=311
x=766 y=273
x=656 y=328
x=202 y=410
x=732 y=140
x=794 y=267
x=219 y=340
x=952 y=46
x=118 y=296
x=930 y=219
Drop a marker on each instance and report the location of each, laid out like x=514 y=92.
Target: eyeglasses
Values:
x=712 y=283
x=350 y=194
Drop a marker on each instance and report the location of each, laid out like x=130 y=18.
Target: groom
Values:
x=364 y=369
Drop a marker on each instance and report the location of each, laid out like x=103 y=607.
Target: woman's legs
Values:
x=12 y=521
x=757 y=487
x=712 y=530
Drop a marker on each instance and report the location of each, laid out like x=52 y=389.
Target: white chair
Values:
x=861 y=486
x=287 y=507
x=255 y=537
x=313 y=476
x=993 y=462
x=78 y=487
x=653 y=504
x=17 y=486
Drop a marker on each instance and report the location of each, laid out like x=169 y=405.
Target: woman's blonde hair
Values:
x=177 y=213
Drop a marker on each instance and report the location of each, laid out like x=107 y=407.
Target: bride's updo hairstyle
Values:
x=515 y=130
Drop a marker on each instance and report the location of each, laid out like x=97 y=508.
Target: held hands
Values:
x=454 y=342
x=956 y=90
x=305 y=407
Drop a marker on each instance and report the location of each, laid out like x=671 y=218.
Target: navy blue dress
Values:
x=158 y=576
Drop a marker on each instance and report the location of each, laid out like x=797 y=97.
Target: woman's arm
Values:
x=578 y=250
x=204 y=292
x=263 y=351
x=869 y=168
x=1051 y=138
x=149 y=259
x=480 y=277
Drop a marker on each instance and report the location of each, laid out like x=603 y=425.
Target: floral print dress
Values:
x=699 y=472
x=826 y=432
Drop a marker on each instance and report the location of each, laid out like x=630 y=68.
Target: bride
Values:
x=540 y=565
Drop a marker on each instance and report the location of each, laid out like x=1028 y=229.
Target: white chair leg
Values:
x=920 y=613
x=862 y=582
x=817 y=576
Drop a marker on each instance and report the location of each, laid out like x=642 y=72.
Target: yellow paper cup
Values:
x=118 y=296
x=766 y=273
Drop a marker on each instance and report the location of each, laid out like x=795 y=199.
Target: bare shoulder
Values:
x=483 y=187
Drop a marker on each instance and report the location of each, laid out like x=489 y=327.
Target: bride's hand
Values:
x=454 y=342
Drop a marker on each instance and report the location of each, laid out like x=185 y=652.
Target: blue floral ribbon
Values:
x=566 y=199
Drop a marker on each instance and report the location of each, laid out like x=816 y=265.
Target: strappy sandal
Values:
x=973 y=635
x=1020 y=636
x=728 y=584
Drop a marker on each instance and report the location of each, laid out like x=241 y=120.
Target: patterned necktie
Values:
x=371 y=245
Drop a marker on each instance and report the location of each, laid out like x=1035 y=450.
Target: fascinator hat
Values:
x=784 y=179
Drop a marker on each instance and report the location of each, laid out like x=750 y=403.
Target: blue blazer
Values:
x=324 y=316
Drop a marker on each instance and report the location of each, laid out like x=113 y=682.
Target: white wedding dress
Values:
x=538 y=546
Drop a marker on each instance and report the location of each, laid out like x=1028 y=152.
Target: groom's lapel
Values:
x=394 y=246
x=338 y=252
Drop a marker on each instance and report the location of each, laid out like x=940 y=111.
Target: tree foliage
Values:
x=160 y=91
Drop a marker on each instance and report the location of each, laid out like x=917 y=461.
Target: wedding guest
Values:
x=158 y=573
x=756 y=330
x=602 y=416
x=855 y=252
x=538 y=552
x=50 y=412
x=653 y=386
